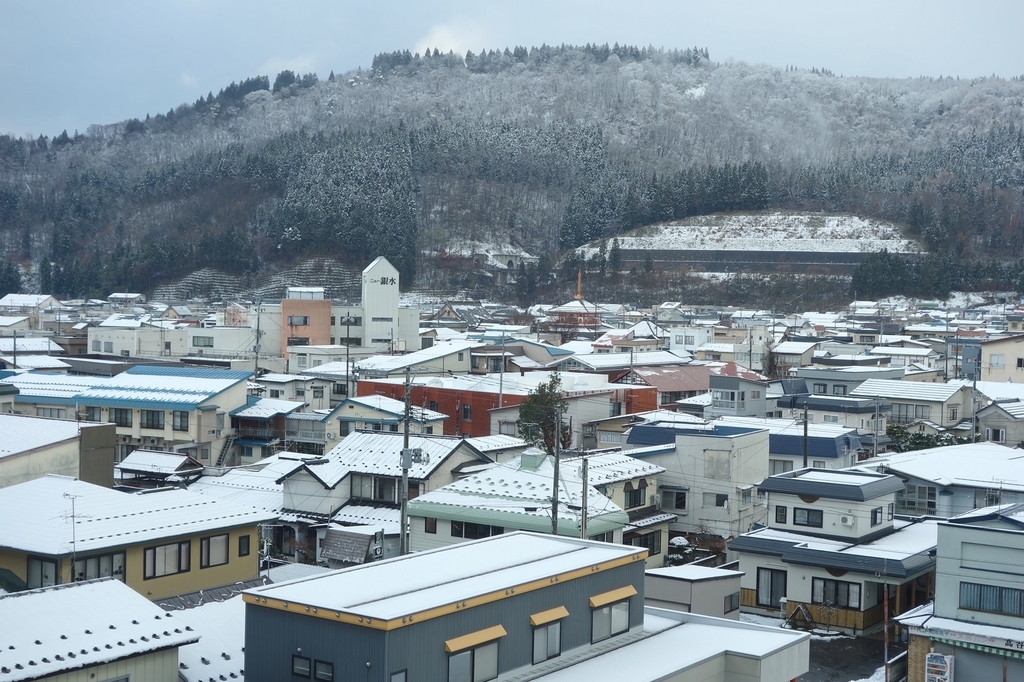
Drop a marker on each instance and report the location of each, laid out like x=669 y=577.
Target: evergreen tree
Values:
x=538 y=423
x=10 y=278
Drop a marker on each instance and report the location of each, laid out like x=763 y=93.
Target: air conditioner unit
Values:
x=152 y=441
x=219 y=432
x=655 y=500
x=846 y=520
x=330 y=436
x=211 y=432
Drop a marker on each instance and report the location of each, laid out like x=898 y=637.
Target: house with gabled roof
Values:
x=381 y=413
x=512 y=496
x=159 y=542
x=364 y=470
x=736 y=392
x=673 y=383
x=155 y=469
x=954 y=479
x=944 y=405
x=831 y=548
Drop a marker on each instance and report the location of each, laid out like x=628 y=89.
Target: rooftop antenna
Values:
x=72 y=497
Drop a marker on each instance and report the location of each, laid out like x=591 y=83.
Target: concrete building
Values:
x=710 y=473
x=32 y=447
x=694 y=589
x=736 y=392
x=977 y=618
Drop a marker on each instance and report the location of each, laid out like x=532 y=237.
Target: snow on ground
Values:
x=768 y=621
x=774 y=231
x=697 y=91
x=877 y=676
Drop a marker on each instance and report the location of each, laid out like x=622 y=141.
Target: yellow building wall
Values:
x=235 y=570
x=159 y=666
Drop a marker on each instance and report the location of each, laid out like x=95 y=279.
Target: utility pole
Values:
x=805 y=434
x=348 y=363
x=501 y=376
x=256 y=348
x=554 y=483
x=406 y=463
x=874 y=442
x=583 y=518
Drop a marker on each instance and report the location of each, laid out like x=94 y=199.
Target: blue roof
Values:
x=817 y=446
x=189 y=372
x=659 y=433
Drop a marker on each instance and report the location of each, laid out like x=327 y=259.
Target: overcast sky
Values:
x=66 y=64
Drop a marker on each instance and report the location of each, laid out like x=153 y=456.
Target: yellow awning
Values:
x=474 y=638
x=548 y=616
x=599 y=600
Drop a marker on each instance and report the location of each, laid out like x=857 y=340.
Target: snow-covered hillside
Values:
x=769 y=231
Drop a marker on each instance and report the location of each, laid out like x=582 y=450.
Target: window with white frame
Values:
x=996 y=360
x=995 y=435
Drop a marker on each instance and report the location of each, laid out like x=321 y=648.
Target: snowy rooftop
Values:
x=397 y=407
x=33 y=345
x=35 y=362
x=495 y=443
x=693 y=640
x=220 y=654
x=972 y=465
x=63 y=628
x=255 y=485
x=694 y=573
x=154 y=462
x=612 y=467
x=394 y=363
x=23 y=434
x=376 y=452
x=266 y=408
x=39 y=518
x=522 y=487
x=418 y=582
x=146 y=386
x=907 y=390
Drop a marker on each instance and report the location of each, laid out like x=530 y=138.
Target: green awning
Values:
x=979 y=647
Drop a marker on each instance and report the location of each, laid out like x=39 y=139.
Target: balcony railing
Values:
x=251 y=432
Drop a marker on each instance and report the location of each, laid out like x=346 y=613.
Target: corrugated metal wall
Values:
x=272 y=636
x=420 y=647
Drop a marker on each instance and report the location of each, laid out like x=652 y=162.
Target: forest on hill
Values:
x=543 y=149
